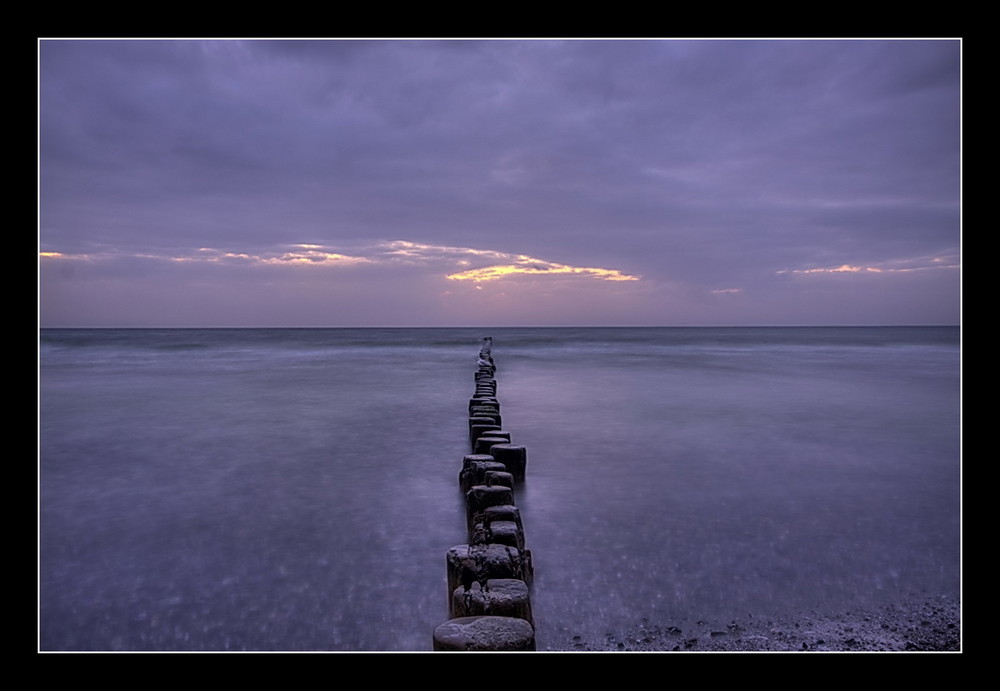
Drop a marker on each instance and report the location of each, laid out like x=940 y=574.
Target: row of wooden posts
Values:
x=489 y=578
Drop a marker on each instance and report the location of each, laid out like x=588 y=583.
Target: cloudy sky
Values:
x=499 y=182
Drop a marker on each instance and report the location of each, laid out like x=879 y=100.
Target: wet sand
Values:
x=931 y=624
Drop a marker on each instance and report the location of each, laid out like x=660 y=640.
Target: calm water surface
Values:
x=293 y=489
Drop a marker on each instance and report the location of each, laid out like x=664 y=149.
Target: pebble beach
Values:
x=930 y=624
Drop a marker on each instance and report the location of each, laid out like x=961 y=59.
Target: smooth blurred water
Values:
x=297 y=489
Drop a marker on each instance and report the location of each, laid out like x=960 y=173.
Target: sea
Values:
x=297 y=489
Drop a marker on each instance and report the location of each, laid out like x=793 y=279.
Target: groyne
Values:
x=489 y=576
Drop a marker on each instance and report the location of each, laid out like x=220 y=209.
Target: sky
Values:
x=329 y=183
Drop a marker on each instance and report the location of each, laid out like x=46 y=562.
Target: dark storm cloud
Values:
x=698 y=165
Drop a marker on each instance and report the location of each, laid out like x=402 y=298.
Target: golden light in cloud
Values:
x=313 y=257
x=904 y=265
x=68 y=257
x=843 y=268
x=535 y=267
x=502 y=264
x=405 y=248
x=443 y=258
x=303 y=255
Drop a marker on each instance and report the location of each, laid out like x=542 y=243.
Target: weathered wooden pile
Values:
x=489 y=578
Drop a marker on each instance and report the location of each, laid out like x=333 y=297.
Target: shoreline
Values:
x=928 y=624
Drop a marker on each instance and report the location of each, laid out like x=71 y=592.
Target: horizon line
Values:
x=536 y=326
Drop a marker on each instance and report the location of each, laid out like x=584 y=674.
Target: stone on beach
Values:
x=485 y=633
